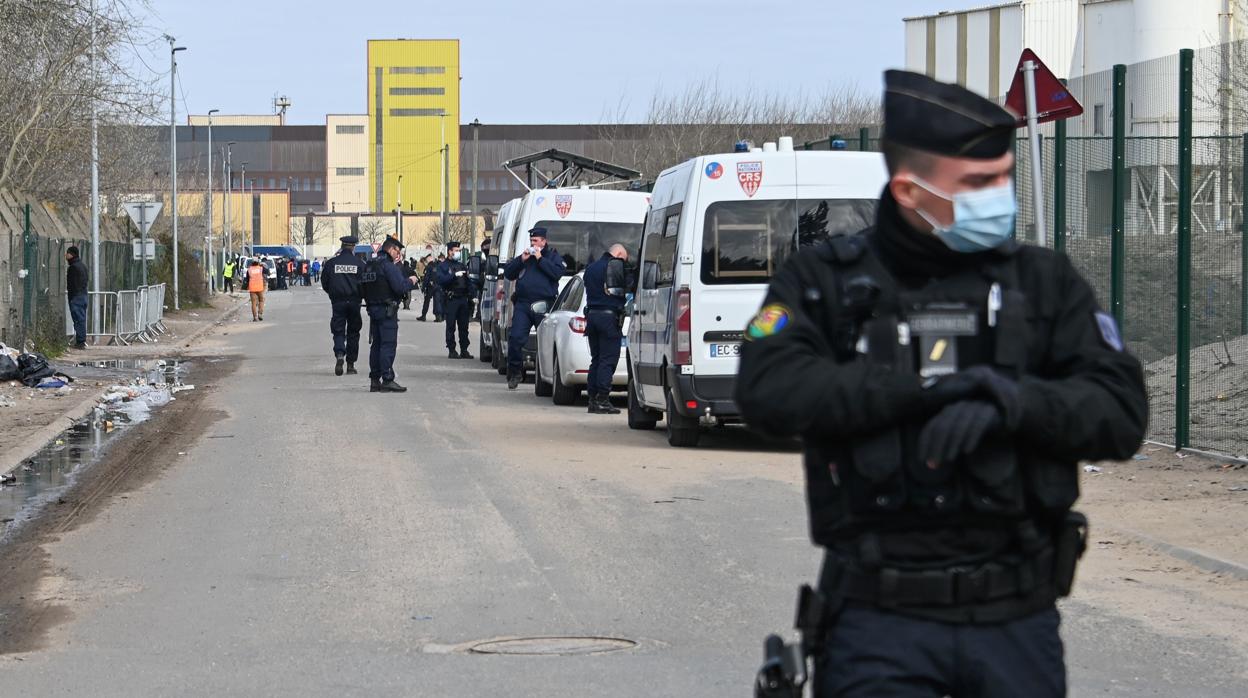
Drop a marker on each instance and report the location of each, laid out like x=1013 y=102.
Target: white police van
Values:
x=493 y=279
x=581 y=223
x=718 y=228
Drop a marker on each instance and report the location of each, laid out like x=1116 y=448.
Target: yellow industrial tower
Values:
x=413 y=112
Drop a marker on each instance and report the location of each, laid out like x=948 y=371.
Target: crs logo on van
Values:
x=563 y=204
x=750 y=176
x=714 y=170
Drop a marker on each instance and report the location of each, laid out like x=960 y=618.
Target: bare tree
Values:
x=706 y=117
x=458 y=227
x=375 y=228
x=49 y=85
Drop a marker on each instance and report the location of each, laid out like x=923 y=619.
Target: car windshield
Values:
x=745 y=242
x=581 y=242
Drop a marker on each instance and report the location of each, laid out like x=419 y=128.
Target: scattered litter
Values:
x=180 y=388
x=51 y=382
x=181 y=453
x=1238 y=488
x=1139 y=456
x=8 y=479
x=1091 y=469
x=1177 y=454
x=6 y=401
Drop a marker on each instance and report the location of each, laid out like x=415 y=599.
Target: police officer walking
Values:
x=384 y=286
x=458 y=290
x=536 y=271
x=946 y=382
x=340 y=278
x=605 y=294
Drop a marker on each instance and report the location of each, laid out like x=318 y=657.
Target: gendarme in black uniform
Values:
x=340 y=277
x=945 y=382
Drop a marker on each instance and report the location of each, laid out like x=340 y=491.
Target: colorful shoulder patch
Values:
x=770 y=320
x=1109 y=331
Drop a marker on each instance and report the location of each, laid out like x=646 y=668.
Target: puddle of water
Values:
x=42 y=478
x=113 y=363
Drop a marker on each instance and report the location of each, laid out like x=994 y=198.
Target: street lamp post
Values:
x=446 y=155
x=173 y=160
x=208 y=260
x=398 y=210
x=95 y=189
x=229 y=186
x=243 y=224
x=252 y=233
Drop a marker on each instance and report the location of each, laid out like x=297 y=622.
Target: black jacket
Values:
x=76 y=278
x=1081 y=396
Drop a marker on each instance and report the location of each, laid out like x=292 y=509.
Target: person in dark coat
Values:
x=340 y=278
x=76 y=291
x=384 y=286
x=604 y=321
x=458 y=290
x=945 y=381
x=536 y=271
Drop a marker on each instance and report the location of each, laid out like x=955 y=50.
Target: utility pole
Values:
x=209 y=262
x=445 y=184
x=229 y=186
x=173 y=160
x=476 y=125
x=95 y=185
x=246 y=222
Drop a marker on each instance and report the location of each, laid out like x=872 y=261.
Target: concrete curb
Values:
x=12 y=457
x=1196 y=558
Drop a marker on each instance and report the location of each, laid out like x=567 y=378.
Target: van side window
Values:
x=819 y=219
x=650 y=246
x=667 y=247
x=744 y=242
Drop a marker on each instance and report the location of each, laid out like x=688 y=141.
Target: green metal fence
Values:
x=1145 y=193
x=33 y=304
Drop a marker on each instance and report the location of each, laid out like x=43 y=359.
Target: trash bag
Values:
x=34 y=368
x=9 y=369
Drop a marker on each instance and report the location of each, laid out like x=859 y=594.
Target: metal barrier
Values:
x=124 y=316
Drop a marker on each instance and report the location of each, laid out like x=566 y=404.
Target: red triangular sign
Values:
x=1053 y=100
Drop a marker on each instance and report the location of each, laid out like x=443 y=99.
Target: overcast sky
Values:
x=542 y=61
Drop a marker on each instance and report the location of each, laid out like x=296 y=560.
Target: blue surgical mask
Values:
x=983 y=219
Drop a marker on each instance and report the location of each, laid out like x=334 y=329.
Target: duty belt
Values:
x=952 y=586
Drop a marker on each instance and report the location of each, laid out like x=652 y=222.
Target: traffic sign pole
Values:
x=143 y=239
x=1033 y=139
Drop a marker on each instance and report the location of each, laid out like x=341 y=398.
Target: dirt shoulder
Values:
x=136 y=458
x=36 y=416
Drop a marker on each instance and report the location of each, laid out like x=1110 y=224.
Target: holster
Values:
x=1071 y=542
x=392 y=310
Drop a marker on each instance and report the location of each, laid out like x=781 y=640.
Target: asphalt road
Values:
x=321 y=540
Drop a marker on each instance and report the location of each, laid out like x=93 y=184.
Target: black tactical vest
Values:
x=869 y=481
x=373 y=282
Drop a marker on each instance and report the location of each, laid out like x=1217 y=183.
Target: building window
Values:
x=418 y=70
x=319 y=184
x=272 y=183
x=416 y=112
x=344 y=130
x=350 y=171
x=414 y=91
x=1098 y=120
x=294 y=184
x=307 y=184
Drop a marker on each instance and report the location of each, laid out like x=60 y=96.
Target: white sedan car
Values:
x=562 y=365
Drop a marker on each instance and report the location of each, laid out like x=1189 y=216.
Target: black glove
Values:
x=957 y=430
x=978 y=382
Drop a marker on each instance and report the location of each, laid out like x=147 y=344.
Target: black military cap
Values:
x=349 y=240
x=538 y=232
x=391 y=241
x=944 y=119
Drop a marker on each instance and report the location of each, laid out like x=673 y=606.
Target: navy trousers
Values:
x=870 y=652
x=603 y=332
x=457 y=311
x=383 y=335
x=78 y=312
x=345 y=324
x=522 y=320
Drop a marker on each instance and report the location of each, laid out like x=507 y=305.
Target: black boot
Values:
x=605 y=406
x=391 y=387
x=421 y=319
x=351 y=368
x=338 y=366
x=513 y=379
x=463 y=354
x=374 y=385
x=450 y=354
x=594 y=407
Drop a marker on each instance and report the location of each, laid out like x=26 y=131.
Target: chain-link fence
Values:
x=33 y=242
x=1145 y=193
